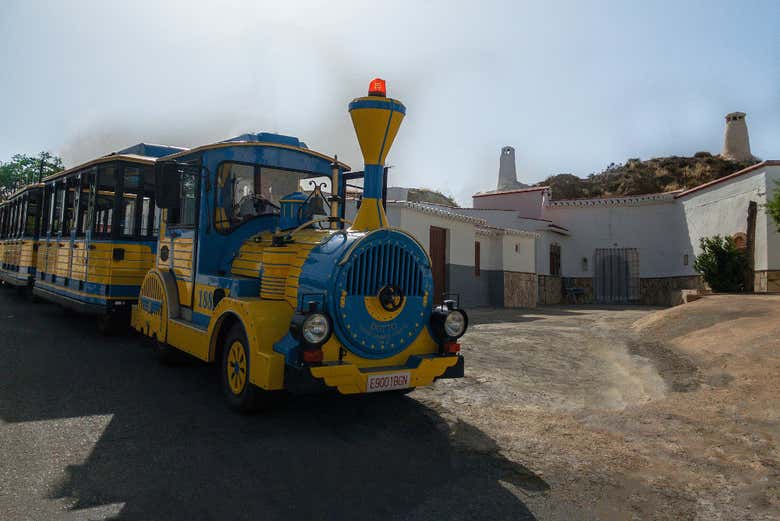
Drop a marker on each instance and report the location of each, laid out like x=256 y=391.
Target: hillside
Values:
x=634 y=177
x=423 y=195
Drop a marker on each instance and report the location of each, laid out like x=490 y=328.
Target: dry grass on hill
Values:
x=635 y=177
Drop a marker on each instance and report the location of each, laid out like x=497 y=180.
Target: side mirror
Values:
x=166 y=184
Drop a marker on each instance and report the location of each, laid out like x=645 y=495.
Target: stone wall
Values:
x=584 y=283
x=549 y=290
x=666 y=291
x=519 y=290
x=767 y=281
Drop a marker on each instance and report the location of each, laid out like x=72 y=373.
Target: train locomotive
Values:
x=236 y=253
x=273 y=284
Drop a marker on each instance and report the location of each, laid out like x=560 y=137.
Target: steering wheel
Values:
x=255 y=198
x=265 y=200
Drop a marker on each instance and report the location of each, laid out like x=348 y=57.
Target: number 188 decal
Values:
x=206 y=299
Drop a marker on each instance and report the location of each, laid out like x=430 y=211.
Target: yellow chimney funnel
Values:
x=376 y=119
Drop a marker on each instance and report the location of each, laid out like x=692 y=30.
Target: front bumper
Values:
x=347 y=378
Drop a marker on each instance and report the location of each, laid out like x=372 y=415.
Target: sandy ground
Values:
x=630 y=413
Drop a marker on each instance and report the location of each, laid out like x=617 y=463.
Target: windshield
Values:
x=248 y=191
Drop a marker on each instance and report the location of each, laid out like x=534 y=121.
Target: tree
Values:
x=22 y=170
x=773 y=206
x=721 y=264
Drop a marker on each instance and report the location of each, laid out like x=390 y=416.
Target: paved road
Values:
x=92 y=427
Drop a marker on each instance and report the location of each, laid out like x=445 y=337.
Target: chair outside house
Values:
x=570 y=291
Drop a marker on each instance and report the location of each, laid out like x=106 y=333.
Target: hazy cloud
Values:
x=573 y=86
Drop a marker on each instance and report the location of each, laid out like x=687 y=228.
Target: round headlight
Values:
x=315 y=328
x=455 y=324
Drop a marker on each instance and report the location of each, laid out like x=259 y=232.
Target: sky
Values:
x=572 y=85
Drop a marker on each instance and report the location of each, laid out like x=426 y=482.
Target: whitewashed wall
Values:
x=722 y=208
x=490 y=252
x=511 y=219
x=460 y=235
x=518 y=253
x=526 y=203
x=773 y=236
x=543 y=243
x=655 y=229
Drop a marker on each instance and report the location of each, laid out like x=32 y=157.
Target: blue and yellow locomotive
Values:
x=271 y=282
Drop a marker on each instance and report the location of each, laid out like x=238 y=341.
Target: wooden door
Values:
x=438 y=249
x=751 y=247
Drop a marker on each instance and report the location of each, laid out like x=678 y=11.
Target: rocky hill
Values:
x=424 y=195
x=634 y=177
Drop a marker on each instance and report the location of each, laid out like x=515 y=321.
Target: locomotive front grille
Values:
x=381 y=265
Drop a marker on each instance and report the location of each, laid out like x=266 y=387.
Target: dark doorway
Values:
x=616 y=276
x=751 y=247
x=438 y=249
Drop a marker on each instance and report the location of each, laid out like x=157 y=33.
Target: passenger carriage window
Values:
x=105 y=197
x=44 y=221
x=86 y=201
x=70 y=200
x=51 y=198
x=9 y=227
x=17 y=217
x=147 y=203
x=33 y=211
x=59 y=201
x=22 y=216
x=132 y=186
x=12 y=220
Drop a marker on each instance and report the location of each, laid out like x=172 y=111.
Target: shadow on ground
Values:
x=173 y=451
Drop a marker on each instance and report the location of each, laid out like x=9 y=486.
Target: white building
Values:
x=640 y=248
x=478 y=263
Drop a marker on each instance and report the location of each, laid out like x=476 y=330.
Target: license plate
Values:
x=387 y=382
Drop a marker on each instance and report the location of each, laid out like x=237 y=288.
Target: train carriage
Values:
x=98 y=233
x=19 y=222
x=269 y=281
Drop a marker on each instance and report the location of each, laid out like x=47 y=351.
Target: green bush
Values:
x=721 y=264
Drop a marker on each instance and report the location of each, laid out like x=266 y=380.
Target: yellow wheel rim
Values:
x=236 y=367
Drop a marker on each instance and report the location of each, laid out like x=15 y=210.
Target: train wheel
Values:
x=240 y=394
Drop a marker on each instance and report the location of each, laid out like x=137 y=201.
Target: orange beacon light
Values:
x=377 y=87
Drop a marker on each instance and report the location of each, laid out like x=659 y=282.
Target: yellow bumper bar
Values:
x=350 y=379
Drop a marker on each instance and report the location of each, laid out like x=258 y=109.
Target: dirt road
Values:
x=631 y=413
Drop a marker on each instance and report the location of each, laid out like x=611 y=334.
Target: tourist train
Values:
x=239 y=253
